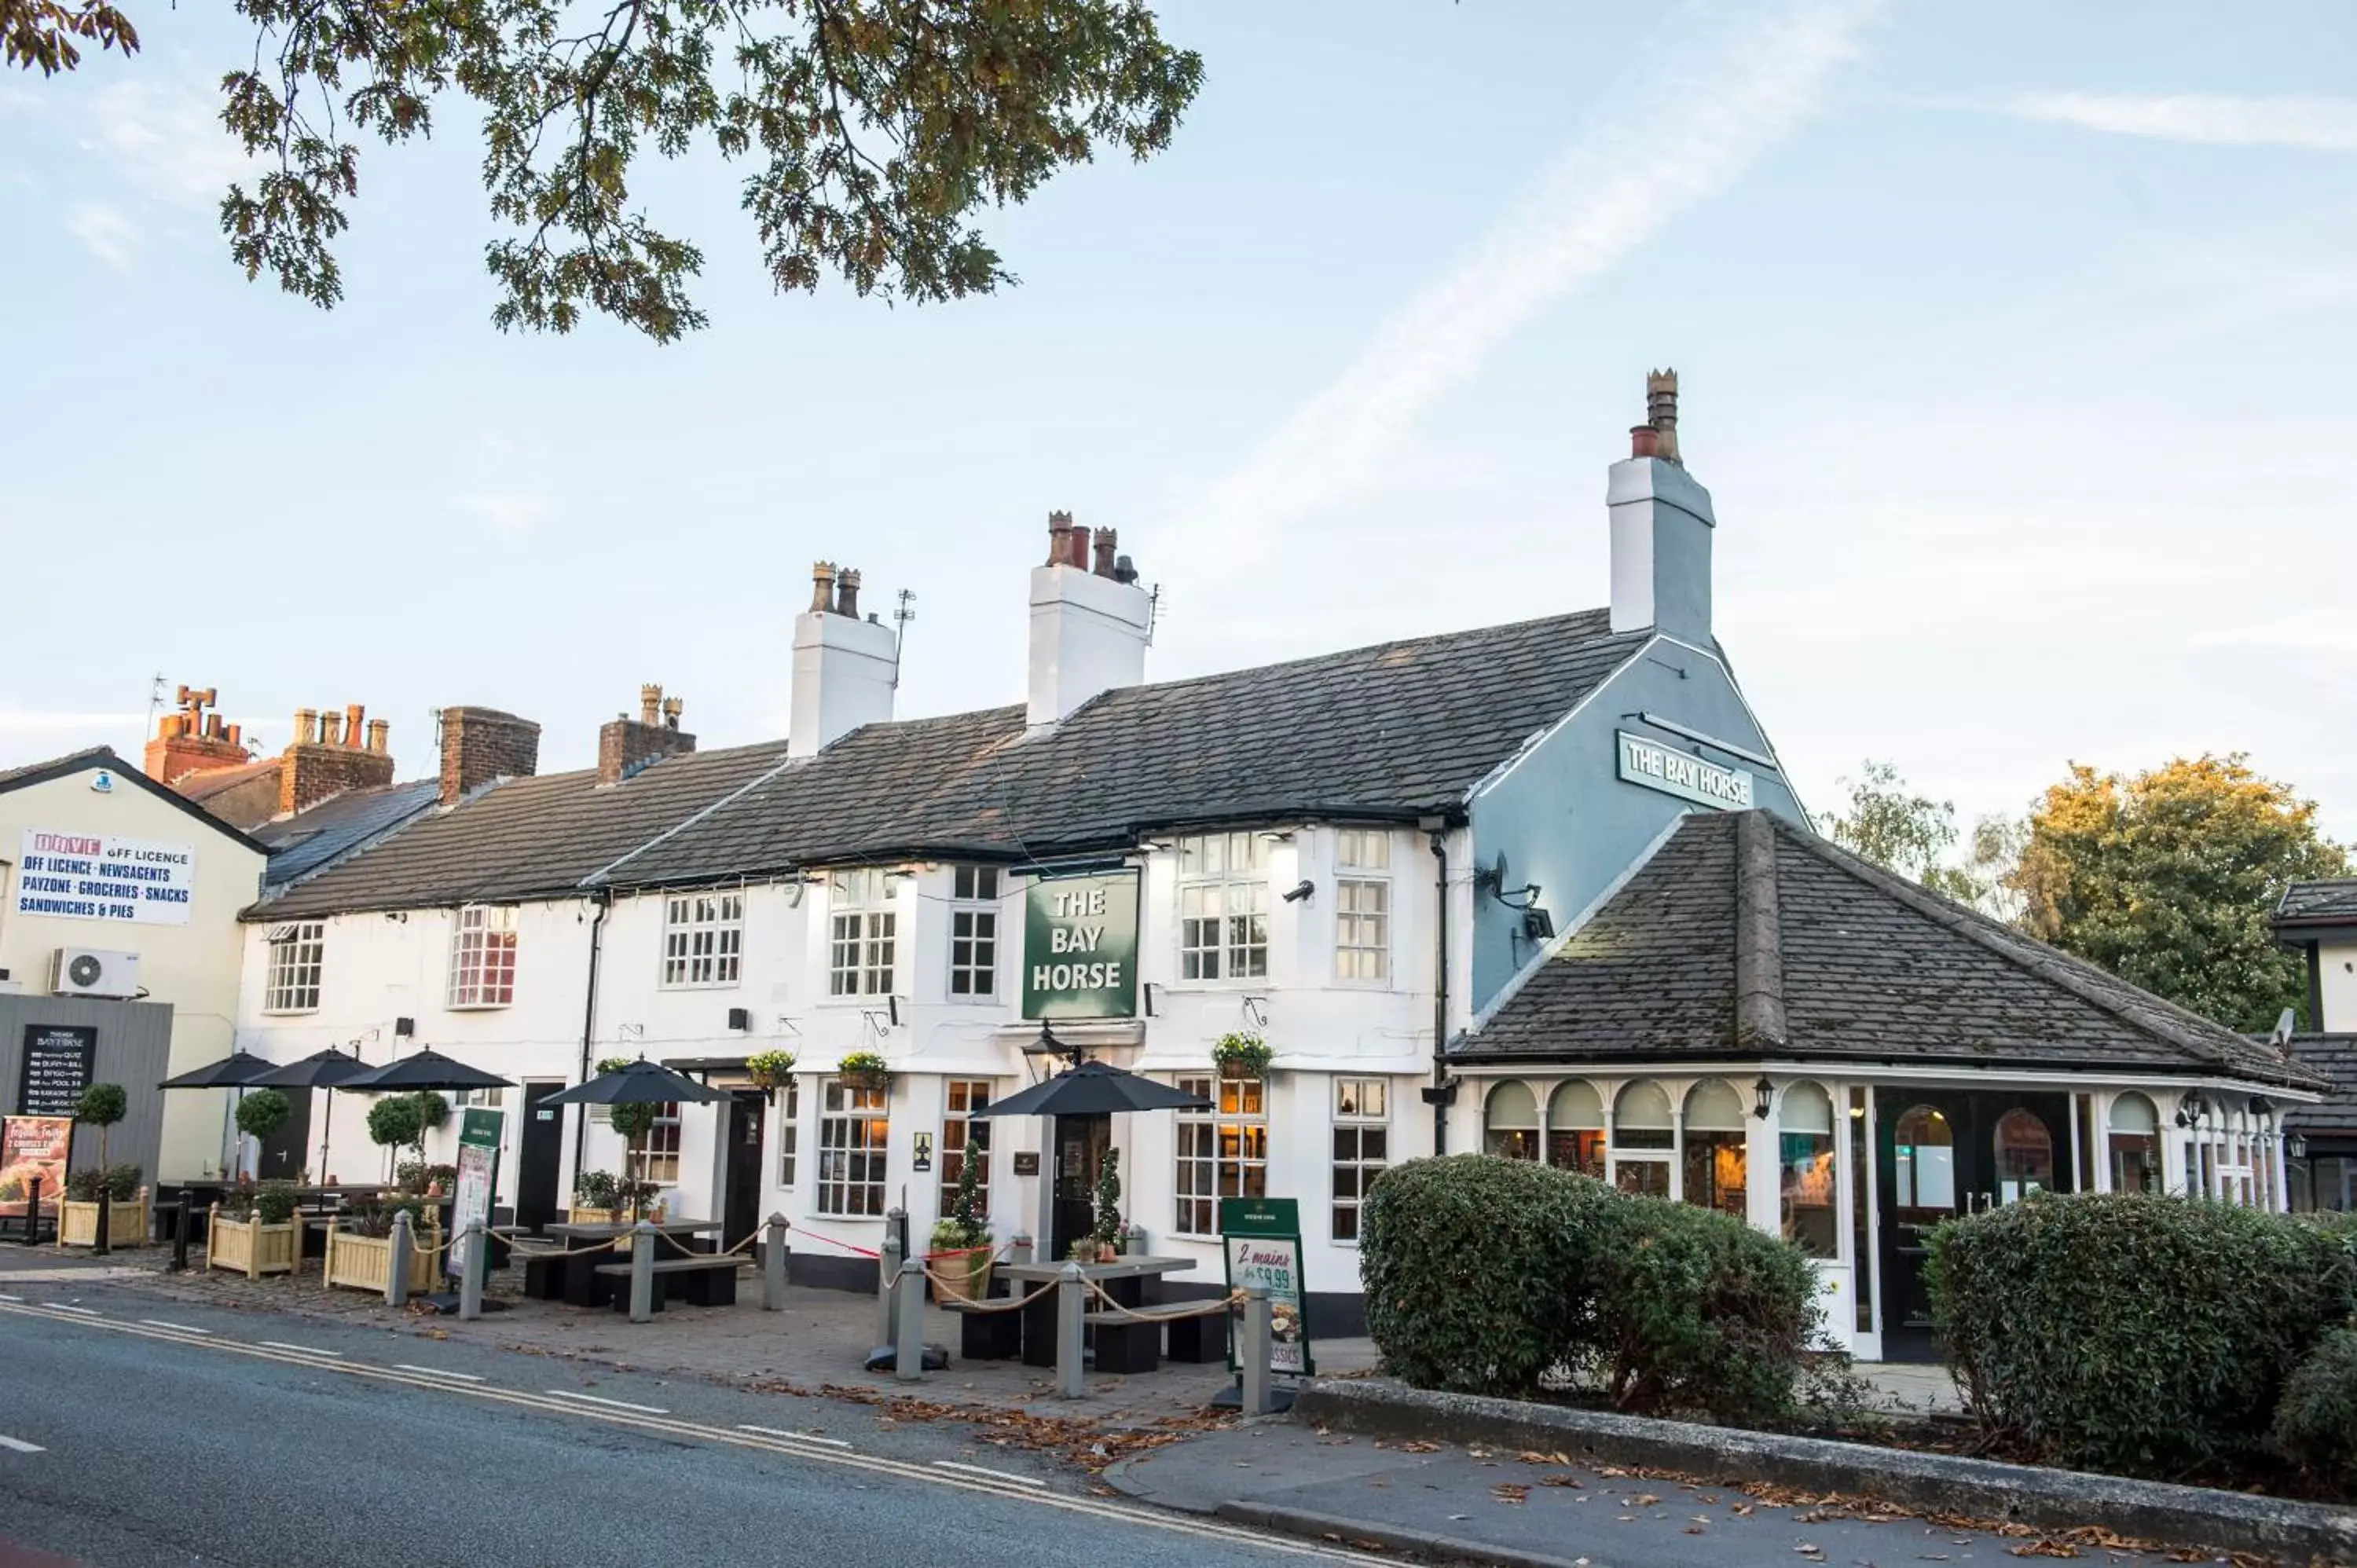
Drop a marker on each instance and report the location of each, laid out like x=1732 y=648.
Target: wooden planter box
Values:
x=365 y=1262
x=126 y=1222
x=579 y=1216
x=251 y=1248
x=965 y=1278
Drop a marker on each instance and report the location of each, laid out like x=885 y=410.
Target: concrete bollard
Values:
x=1071 y=1305
x=773 y=1266
x=105 y=1223
x=909 y=1331
x=887 y=1280
x=472 y=1259
x=1253 y=1356
x=396 y=1273
x=643 y=1272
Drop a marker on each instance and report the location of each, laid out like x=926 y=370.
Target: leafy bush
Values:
x=596 y=1189
x=1476 y=1270
x=262 y=1111
x=274 y=1203
x=102 y=1105
x=393 y=1122
x=2130 y=1331
x=375 y=1218
x=432 y=1109
x=2315 y=1419
x=1695 y=1310
x=84 y=1185
x=120 y=1183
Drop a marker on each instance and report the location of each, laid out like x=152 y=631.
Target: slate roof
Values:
x=2334 y=1057
x=524 y=838
x=1394 y=731
x=106 y=756
x=1745 y=935
x=204 y=786
x=308 y=840
x=2332 y=902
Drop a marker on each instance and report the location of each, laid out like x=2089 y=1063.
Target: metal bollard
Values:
x=1254 y=1354
x=100 y=1248
x=473 y=1260
x=181 y=1236
x=33 y=1211
x=908 y=1333
x=1071 y=1303
x=643 y=1272
x=396 y=1273
x=773 y=1266
x=888 y=1279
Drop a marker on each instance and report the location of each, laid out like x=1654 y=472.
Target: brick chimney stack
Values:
x=332 y=753
x=480 y=744
x=189 y=740
x=625 y=744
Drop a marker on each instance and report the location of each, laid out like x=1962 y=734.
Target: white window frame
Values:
x=863 y=935
x=297 y=958
x=973 y=933
x=842 y=1195
x=1222 y=909
x=1204 y=1168
x=1354 y=1121
x=480 y=935
x=1362 y=906
x=702 y=940
x=790 y=1131
x=659 y=1160
x=959 y=1126
x=491 y=1099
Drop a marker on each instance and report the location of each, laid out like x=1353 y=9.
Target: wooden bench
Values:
x=995 y=1335
x=699 y=1281
x=1131 y=1341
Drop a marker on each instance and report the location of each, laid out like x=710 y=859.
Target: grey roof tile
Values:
x=2325 y=902
x=309 y=840
x=2333 y=1057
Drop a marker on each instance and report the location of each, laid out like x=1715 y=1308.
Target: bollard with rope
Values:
x=396 y=1275
x=888 y=1279
x=1072 y=1303
x=473 y=1256
x=773 y=1267
x=643 y=1272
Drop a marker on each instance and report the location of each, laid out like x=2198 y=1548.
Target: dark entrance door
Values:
x=539 y=1153
x=1080 y=1143
x=748 y=1117
x=288 y=1151
x=1943 y=1153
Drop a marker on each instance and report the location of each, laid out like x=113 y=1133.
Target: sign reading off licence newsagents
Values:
x=1080 y=947
x=1687 y=777
x=97 y=876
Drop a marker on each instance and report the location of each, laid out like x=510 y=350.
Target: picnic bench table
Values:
x=1122 y=1344
x=571 y=1276
x=706 y=1281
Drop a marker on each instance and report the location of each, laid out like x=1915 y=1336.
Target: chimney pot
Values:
x=331 y=728
x=1125 y=570
x=377 y=731
x=1661 y=412
x=650 y=703
x=1060 y=537
x=671 y=711
x=1107 y=539
x=846 y=594
x=307 y=726
x=1644 y=441
x=822 y=587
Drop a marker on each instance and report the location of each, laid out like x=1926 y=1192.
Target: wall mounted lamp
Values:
x=1763 y=1097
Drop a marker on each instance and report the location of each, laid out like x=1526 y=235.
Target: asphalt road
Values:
x=128 y=1442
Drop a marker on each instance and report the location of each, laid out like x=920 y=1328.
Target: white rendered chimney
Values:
x=1091 y=622
x=844 y=667
x=1661 y=526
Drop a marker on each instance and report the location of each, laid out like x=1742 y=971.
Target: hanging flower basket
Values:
x=865 y=1069
x=769 y=1069
x=1242 y=1055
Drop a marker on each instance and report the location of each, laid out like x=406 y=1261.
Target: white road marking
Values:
x=175 y=1328
x=794 y=1437
x=301 y=1349
x=612 y=1404
x=85 y=1311
x=6 y=1297
x=439 y=1372
x=18 y=1445
x=985 y=1470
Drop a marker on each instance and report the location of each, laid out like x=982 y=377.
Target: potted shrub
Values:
x=864 y=1070
x=964 y=1236
x=1242 y=1056
x=769 y=1069
x=597 y=1198
x=252 y=1230
x=360 y=1247
x=396 y=1121
x=262 y=1111
x=126 y=1206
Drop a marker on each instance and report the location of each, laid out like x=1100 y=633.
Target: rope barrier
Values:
x=684 y=1250
x=1165 y=1315
x=1012 y=1305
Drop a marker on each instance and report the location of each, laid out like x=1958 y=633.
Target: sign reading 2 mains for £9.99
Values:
x=1679 y=773
x=1080 y=947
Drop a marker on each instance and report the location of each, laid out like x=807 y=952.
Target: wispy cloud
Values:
x=26 y=721
x=1609 y=191
x=2321 y=124
x=509 y=511
x=104 y=231
x=167 y=140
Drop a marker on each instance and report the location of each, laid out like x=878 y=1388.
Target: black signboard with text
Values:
x=59 y=1059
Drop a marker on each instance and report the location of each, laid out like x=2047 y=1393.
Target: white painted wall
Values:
x=2337 y=971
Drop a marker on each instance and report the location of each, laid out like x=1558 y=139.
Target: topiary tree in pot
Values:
x=395 y=1122
x=101 y=1105
x=262 y=1111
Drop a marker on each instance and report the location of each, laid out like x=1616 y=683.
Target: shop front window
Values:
x=1575 y=1128
x=1804 y=1155
x=1511 y=1122
x=1925 y=1166
x=2025 y=1156
x=2134 y=1138
x=1641 y=1139
x=1716 y=1158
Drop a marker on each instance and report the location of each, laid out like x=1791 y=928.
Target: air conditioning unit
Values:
x=92 y=971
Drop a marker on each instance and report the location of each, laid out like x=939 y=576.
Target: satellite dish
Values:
x=1492 y=875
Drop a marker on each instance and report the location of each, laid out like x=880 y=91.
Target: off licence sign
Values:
x=1080 y=947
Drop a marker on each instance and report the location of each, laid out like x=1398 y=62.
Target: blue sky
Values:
x=2013 y=341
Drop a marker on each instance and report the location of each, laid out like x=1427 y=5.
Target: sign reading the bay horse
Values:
x=1262 y=1239
x=1080 y=947
x=1687 y=777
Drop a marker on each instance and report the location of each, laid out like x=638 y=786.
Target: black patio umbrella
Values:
x=424 y=1069
x=236 y=1070
x=329 y=1070
x=1092 y=1088
x=640 y=1083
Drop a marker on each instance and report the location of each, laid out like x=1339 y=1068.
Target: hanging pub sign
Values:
x=1679 y=773
x=479 y=1163
x=1263 y=1241
x=59 y=1060
x=1080 y=947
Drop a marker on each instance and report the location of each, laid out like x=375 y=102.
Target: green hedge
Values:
x=2315 y=1419
x=1486 y=1275
x=1475 y=1270
x=2134 y=1332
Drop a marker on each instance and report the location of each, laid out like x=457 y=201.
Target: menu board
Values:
x=34 y=1148
x=58 y=1061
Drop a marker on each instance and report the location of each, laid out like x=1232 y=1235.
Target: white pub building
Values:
x=1539 y=889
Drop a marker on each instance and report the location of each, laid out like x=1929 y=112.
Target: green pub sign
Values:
x=1080 y=947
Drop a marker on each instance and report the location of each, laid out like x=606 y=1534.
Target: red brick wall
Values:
x=480 y=744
